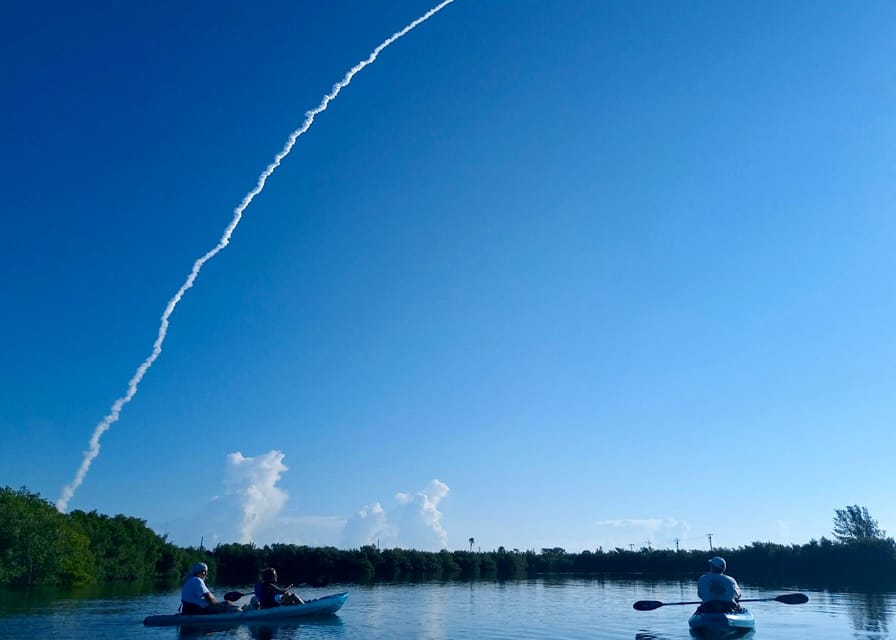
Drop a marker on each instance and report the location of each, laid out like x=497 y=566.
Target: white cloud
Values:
x=253 y=480
x=253 y=509
x=414 y=523
x=783 y=530
x=651 y=524
x=659 y=532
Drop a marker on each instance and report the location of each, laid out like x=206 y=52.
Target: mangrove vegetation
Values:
x=40 y=545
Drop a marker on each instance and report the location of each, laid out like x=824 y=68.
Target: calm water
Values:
x=542 y=609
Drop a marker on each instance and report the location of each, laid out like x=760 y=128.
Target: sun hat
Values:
x=198 y=568
x=718 y=563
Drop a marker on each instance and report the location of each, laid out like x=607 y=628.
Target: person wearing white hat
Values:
x=719 y=593
x=196 y=598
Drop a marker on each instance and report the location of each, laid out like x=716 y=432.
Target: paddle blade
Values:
x=793 y=598
x=647 y=605
x=233 y=596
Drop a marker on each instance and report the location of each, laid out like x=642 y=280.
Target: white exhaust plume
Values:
x=94 y=448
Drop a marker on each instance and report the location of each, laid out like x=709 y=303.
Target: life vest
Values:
x=265 y=596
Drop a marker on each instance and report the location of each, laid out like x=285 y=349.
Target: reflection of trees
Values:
x=868 y=612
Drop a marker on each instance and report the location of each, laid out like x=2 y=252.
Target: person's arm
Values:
x=198 y=586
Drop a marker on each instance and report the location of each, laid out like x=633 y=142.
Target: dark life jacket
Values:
x=265 y=596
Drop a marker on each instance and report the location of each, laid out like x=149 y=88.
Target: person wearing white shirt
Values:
x=196 y=598
x=719 y=593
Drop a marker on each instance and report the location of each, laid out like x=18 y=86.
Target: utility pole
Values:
x=709 y=536
x=676 y=545
x=631 y=547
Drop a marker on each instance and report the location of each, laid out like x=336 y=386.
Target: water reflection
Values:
x=265 y=631
x=740 y=635
x=535 y=609
x=433 y=619
x=868 y=614
x=270 y=632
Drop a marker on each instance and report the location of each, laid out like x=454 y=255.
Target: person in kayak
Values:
x=196 y=598
x=270 y=595
x=719 y=593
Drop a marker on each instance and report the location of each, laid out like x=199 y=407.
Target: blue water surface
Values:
x=539 y=609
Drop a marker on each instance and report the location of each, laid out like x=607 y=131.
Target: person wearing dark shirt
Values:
x=269 y=594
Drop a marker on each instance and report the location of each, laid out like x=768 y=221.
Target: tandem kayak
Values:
x=724 y=625
x=326 y=605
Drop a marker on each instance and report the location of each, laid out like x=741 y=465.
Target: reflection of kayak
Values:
x=722 y=624
x=318 y=607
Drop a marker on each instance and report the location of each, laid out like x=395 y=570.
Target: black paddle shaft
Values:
x=787 y=598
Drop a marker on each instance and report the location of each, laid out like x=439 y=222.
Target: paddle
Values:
x=233 y=596
x=787 y=598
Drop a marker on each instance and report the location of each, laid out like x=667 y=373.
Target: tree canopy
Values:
x=855 y=523
x=39 y=545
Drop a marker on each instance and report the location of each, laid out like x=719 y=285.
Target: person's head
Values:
x=717 y=565
x=199 y=569
x=269 y=575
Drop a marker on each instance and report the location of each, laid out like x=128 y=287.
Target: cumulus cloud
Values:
x=415 y=521
x=254 y=481
x=253 y=508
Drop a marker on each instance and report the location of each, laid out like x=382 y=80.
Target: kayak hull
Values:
x=722 y=624
x=327 y=605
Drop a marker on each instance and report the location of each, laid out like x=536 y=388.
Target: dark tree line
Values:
x=39 y=545
x=861 y=561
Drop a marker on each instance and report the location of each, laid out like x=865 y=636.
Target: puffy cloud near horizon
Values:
x=415 y=522
x=253 y=480
x=253 y=508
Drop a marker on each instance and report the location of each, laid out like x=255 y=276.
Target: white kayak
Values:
x=327 y=605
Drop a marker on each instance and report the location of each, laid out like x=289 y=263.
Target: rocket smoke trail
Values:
x=69 y=490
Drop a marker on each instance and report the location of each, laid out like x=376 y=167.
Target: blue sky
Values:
x=544 y=274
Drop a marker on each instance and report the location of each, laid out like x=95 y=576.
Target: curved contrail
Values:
x=93 y=451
